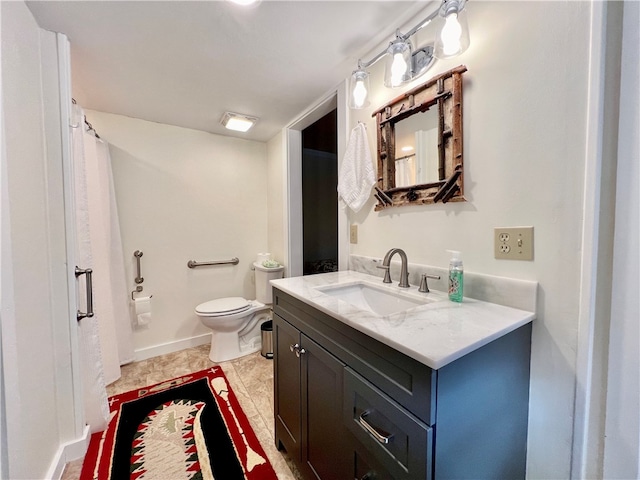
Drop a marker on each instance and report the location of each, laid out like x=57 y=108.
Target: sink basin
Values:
x=379 y=300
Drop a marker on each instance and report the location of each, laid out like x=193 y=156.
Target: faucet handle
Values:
x=423 y=284
x=424 y=287
x=387 y=275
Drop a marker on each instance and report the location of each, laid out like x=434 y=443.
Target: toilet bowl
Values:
x=235 y=326
x=235 y=322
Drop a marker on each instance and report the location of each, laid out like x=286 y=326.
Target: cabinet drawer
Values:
x=396 y=439
x=367 y=468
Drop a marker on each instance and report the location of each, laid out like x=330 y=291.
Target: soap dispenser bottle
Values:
x=455 y=276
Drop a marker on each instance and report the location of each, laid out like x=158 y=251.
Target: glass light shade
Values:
x=359 y=90
x=453 y=39
x=397 y=70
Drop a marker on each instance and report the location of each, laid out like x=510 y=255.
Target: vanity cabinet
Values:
x=349 y=406
x=308 y=399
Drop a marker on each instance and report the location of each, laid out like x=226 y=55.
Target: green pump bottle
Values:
x=456 y=282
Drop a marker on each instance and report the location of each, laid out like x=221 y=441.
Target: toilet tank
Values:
x=263 y=288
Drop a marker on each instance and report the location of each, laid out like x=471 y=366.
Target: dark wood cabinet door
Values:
x=324 y=452
x=287 y=391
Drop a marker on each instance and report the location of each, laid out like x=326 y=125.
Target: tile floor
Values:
x=251 y=378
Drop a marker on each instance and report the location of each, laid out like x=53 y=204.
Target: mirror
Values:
x=417 y=149
x=420 y=144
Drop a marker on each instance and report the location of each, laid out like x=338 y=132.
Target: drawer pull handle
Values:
x=377 y=435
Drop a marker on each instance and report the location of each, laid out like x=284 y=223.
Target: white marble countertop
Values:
x=434 y=334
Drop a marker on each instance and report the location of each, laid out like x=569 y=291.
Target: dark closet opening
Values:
x=319 y=196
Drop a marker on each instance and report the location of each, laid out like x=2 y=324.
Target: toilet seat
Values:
x=223 y=306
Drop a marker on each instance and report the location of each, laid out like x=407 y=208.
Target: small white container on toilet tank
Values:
x=261 y=257
x=263 y=277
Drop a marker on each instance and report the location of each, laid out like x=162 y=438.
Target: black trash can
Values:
x=266 y=329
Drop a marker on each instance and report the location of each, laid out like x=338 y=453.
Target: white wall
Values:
x=525 y=107
x=275 y=201
x=622 y=441
x=185 y=195
x=36 y=322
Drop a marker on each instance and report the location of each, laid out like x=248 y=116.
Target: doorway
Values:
x=293 y=218
x=319 y=199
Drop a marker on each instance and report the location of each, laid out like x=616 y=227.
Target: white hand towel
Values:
x=356 y=177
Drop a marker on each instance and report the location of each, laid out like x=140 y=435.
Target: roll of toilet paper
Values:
x=142 y=306
x=143 y=319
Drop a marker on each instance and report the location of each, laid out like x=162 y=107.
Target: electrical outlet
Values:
x=513 y=243
x=353 y=234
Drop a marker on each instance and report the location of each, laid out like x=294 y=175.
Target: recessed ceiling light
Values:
x=238 y=121
x=245 y=2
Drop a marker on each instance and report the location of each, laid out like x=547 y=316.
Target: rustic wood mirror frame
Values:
x=445 y=92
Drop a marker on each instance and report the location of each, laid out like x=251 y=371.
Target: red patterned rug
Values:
x=189 y=428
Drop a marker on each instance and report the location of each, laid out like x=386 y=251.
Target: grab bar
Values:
x=138 y=254
x=194 y=264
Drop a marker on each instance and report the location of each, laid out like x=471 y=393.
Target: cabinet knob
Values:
x=294 y=348
x=300 y=351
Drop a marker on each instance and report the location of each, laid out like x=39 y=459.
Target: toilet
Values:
x=235 y=322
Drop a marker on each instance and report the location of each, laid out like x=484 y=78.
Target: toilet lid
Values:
x=223 y=306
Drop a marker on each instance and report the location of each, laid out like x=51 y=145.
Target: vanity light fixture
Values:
x=403 y=64
x=237 y=121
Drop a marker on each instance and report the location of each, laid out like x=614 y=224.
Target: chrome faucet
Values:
x=404 y=275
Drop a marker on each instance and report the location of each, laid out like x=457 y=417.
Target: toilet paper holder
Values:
x=137 y=290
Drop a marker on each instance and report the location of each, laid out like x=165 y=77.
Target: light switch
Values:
x=353 y=234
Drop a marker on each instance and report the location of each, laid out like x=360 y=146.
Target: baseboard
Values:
x=170 y=347
x=68 y=452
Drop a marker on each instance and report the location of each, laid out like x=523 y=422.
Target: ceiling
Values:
x=185 y=63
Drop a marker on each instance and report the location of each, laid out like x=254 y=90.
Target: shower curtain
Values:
x=106 y=338
x=405 y=171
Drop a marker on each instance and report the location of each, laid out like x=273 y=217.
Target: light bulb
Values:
x=359 y=94
x=398 y=69
x=451 y=34
x=359 y=88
